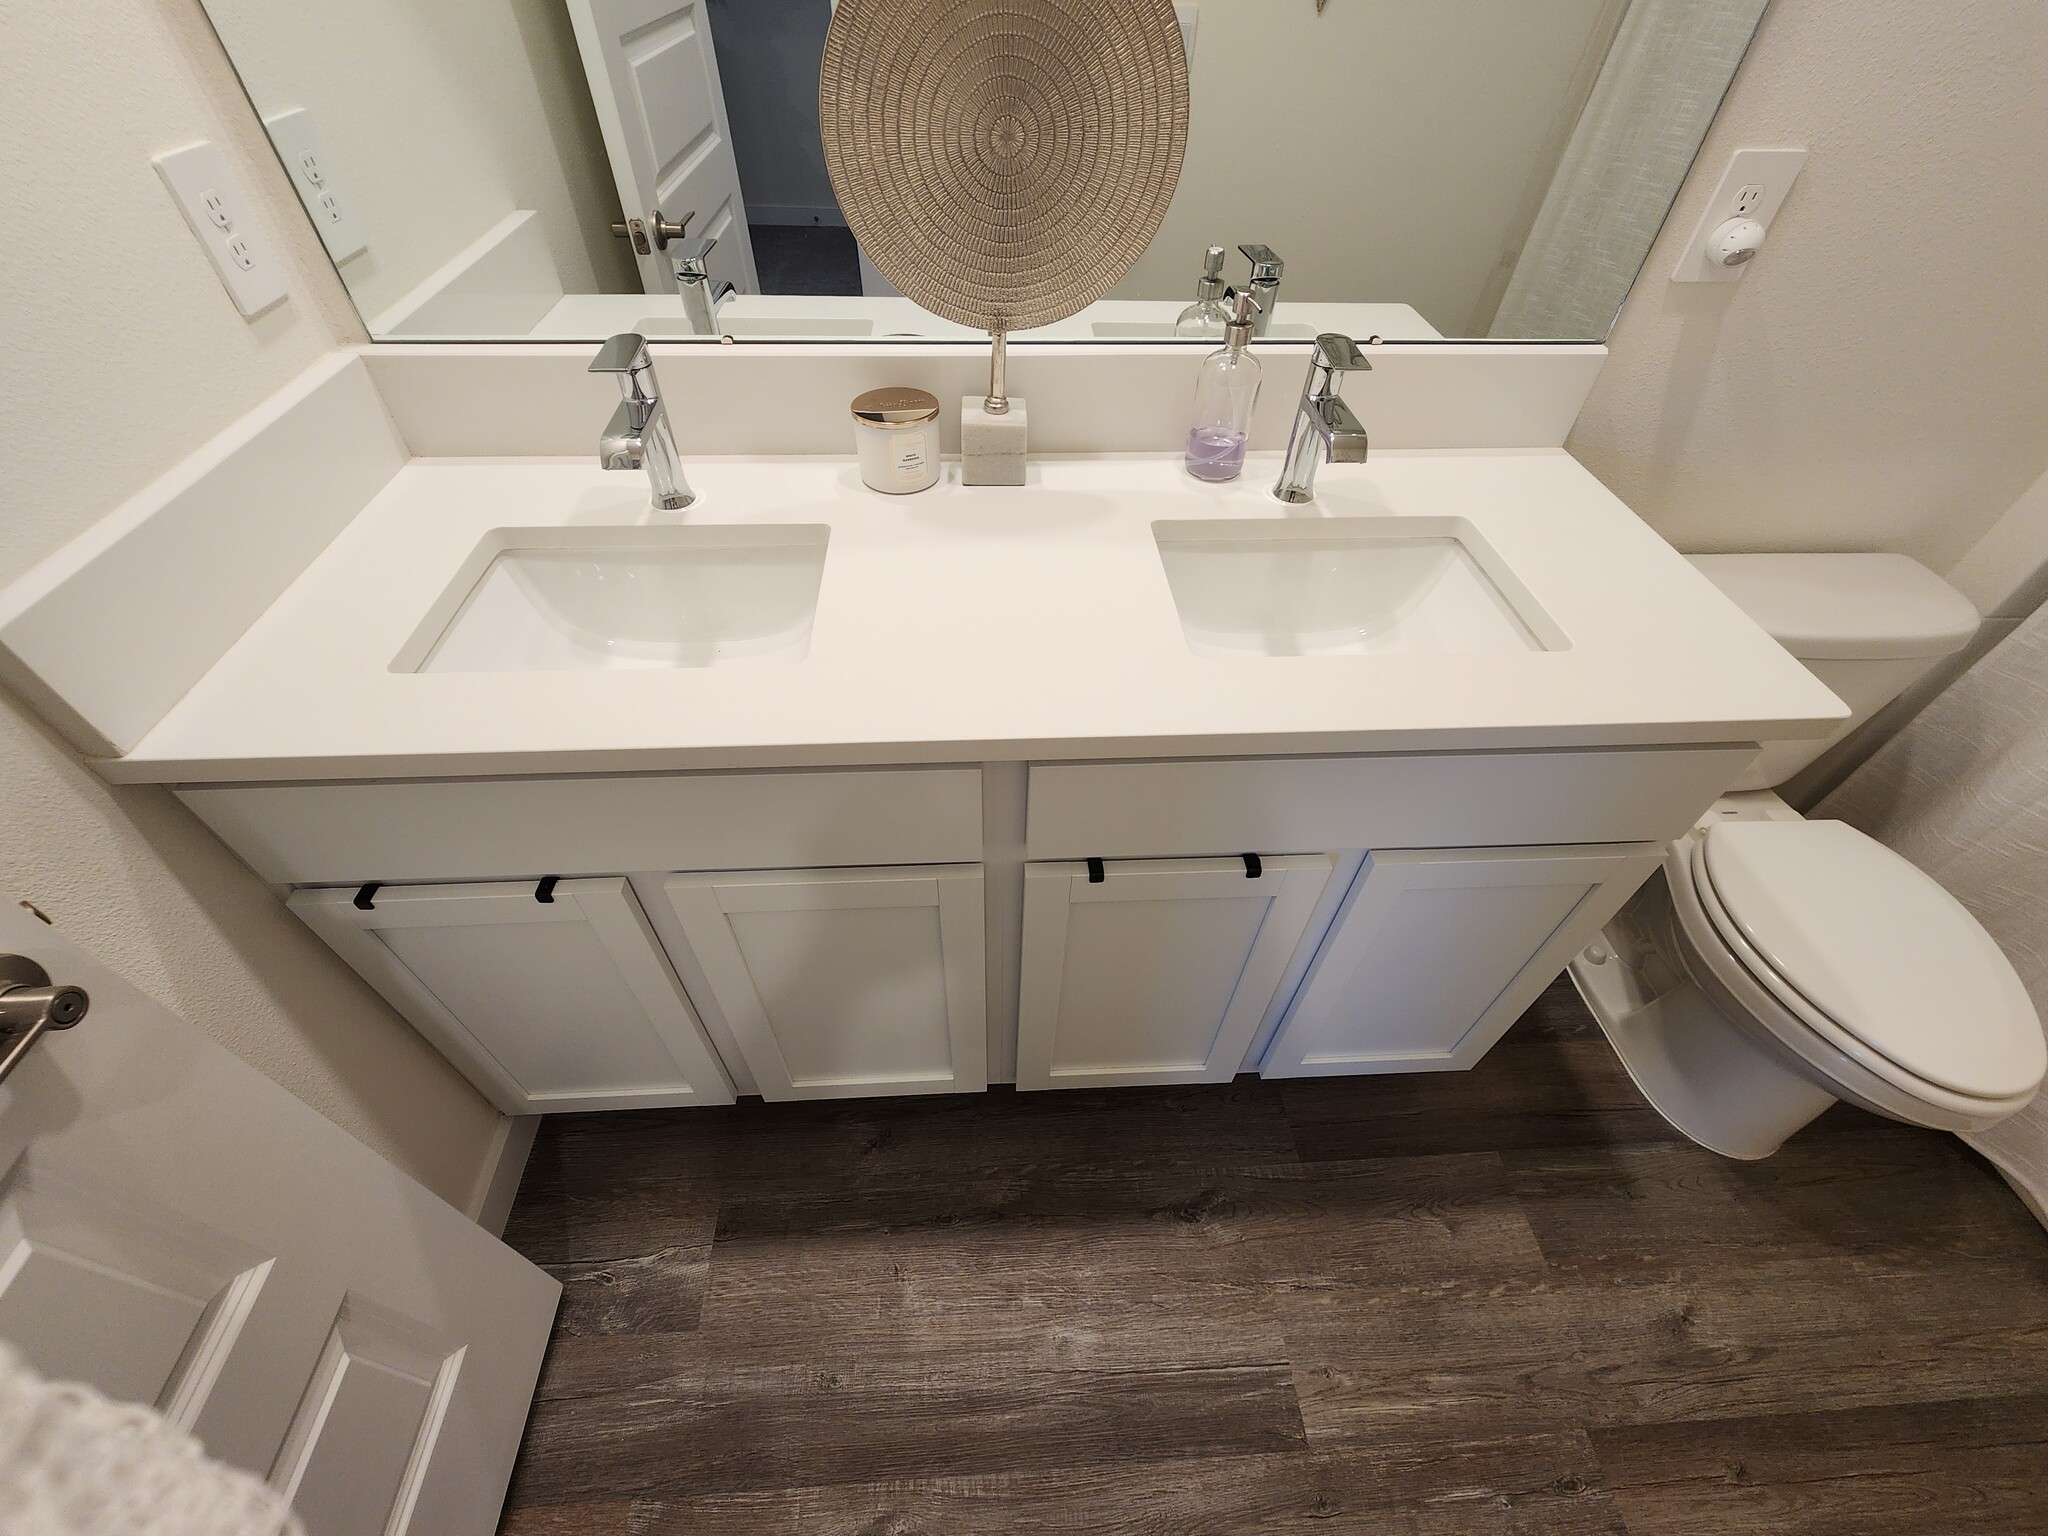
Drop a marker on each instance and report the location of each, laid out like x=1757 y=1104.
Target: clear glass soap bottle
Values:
x=1205 y=319
x=1224 y=396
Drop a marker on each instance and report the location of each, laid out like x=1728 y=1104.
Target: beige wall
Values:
x=1880 y=378
x=1389 y=151
x=441 y=117
x=125 y=354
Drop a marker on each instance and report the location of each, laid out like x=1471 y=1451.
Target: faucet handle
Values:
x=1340 y=354
x=691 y=255
x=1267 y=267
x=624 y=353
x=625 y=358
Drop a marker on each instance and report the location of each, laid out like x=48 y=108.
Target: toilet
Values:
x=1776 y=965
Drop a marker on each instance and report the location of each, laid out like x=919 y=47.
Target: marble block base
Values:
x=992 y=448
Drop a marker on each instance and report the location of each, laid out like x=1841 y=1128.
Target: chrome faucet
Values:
x=701 y=296
x=1264 y=286
x=639 y=435
x=1325 y=425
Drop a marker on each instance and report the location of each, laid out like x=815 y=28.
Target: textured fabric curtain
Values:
x=1659 y=89
x=1963 y=793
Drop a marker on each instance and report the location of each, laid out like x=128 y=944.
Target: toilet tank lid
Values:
x=1846 y=607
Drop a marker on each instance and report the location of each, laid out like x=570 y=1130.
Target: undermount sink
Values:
x=568 y=599
x=1346 y=586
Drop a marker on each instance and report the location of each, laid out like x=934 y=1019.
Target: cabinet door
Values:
x=562 y=1004
x=1435 y=953
x=843 y=983
x=1158 y=972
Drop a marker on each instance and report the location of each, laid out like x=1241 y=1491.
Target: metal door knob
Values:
x=664 y=229
x=30 y=1007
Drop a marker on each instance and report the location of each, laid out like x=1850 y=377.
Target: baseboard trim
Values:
x=497 y=1185
x=818 y=215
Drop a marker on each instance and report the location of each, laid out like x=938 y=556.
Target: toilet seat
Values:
x=1867 y=958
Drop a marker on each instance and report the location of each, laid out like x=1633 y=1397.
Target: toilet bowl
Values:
x=1777 y=965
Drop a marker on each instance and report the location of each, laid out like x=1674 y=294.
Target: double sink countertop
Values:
x=980 y=624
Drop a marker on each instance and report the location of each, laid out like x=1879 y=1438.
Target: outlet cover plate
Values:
x=1772 y=169
x=332 y=210
x=206 y=192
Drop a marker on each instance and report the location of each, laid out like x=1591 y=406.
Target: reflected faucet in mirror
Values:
x=1264 y=287
x=701 y=296
x=639 y=435
x=1324 y=426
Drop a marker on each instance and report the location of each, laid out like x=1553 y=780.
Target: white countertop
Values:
x=968 y=625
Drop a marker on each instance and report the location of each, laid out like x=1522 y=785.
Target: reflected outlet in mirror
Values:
x=572 y=599
x=1351 y=586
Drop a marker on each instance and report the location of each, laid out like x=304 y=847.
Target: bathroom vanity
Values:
x=1114 y=778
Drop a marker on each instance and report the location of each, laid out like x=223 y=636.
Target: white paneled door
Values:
x=550 y=995
x=1155 y=970
x=176 y=1229
x=1430 y=959
x=843 y=983
x=654 y=79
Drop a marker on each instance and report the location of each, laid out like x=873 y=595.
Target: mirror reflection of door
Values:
x=654 y=80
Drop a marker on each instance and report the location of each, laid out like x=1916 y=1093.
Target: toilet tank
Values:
x=1868 y=626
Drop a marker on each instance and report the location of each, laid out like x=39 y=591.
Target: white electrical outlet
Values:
x=1753 y=188
x=304 y=155
x=207 y=194
x=1189 y=16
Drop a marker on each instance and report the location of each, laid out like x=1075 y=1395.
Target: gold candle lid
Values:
x=896 y=407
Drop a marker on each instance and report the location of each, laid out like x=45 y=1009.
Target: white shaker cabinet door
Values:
x=562 y=1003
x=844 y=983
x=1435 y=953
x=1155 y=971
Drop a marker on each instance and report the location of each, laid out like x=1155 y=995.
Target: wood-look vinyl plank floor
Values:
x=1509 y=1300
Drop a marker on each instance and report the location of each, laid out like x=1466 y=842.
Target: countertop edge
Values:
x=1700 y=737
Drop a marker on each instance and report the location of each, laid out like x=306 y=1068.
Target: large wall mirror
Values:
x=1420 y=169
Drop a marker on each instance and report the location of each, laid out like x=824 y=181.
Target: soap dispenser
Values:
x=1205 y=319
x=1224 y=396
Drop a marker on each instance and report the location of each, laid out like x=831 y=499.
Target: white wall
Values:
x=1387 y=150
x=125 y=354
x=441 y=117
x=1880 y=378
x=2005 y=572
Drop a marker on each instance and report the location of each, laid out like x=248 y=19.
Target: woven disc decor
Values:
x=1004 y=162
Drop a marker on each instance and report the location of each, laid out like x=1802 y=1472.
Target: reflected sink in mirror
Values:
x=572 y=599
x=1166 y=330
x=1349 y=586
x=744 y=326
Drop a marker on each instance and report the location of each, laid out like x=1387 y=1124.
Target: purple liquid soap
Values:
x=1215 y=453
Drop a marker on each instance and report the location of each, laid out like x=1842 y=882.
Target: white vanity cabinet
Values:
x=550 y=995
x=840 y=932
x=841 y=983
x=1435 y=953
x=1155 y=970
